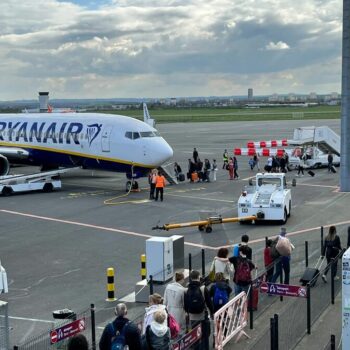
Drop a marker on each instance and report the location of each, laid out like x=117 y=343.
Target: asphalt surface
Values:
x=57 y=246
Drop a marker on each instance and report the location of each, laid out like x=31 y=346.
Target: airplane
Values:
x=89 y=140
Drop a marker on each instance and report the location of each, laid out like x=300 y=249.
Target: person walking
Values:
x=244 y=242
x=78 y=342
x=330 y=161
x=198 y=305
x=206 y=170
x=268 y=261
x=257 y=161
x=160 y=184
x=158 y=333
x=119 y=325
x=235 y=168
x=225 y=159
x=220 y=291
x=177 y=170
x=243 y=268
x=195 y=155
x=221 y=264
x=155 y=302
x=174 y=299
x=331 y=249
x=214 y=169
x=301 y=166
x=230 y=168
x=284 y=262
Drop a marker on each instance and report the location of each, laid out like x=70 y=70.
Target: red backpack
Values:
x=243 y=272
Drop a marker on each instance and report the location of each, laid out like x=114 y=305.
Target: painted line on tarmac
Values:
x=316 y=185
x=111 y=229
x=201 y=198
x=30 y=319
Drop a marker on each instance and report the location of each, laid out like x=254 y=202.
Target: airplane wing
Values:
x=14 y=153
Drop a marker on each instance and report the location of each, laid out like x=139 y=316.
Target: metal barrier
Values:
x=230 y=321
x=4 y=325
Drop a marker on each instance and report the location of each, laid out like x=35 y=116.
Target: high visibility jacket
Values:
x=160 y=181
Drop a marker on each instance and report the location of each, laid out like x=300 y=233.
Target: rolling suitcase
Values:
x=333 y=170
x=312 y=273
x=181 y=177
x=255 y=291
x=194 y=177
x=311 y=173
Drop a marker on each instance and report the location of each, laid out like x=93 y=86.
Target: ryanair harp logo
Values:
x=92 y=131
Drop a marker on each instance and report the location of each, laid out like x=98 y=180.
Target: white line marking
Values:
x=201 y=198
x=316 y=185
x=30 y=319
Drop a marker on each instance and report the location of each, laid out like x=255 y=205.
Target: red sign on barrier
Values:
x=67 y=330
x=189 y=339
x=283 y=290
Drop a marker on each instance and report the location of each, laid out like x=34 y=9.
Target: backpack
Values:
x=235 y=251
x=194 y=300
x=283 y=246
x=173 y=326
x=118 y=342
x=243 y=272
x=220 y=297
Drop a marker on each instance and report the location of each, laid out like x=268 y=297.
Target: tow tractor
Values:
x=269 y=199
x=44 y=181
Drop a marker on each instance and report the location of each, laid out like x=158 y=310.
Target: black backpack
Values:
x=194 y=300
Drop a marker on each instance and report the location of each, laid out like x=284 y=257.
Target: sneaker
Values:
x=324 y=278
x=336 y=278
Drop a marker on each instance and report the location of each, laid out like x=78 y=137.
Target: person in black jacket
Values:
x=132 y=333
x=220 y=282
x=331 y=248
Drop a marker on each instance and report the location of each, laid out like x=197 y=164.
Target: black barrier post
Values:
x=348 y=243
x=150 y=285
x=205 y=331
x=190 y=262
x=272 y=333
x=308 y=308
x=306 y=253
x=266 y=239
x=281 y=277
x=321 y=239
x=250 y=304
x=332 y=342
x=276 y=331
x=15 y=347
x=332 y=279
x=93 y=329
x=203 y=263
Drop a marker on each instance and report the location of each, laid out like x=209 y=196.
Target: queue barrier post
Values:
x=110 y=285
x=143 y=271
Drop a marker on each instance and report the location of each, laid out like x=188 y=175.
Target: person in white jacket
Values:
x=222 y=264
x=155 y=304
x=174 y=299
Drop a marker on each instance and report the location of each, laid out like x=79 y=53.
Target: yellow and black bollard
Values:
x=143 y=267
x=110 y=284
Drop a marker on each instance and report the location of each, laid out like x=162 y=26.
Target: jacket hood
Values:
x=153 y=308
x=159 y=329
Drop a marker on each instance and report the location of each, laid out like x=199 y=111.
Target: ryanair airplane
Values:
x=90 y=140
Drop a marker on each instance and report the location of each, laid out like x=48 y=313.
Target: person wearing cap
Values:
x=284 y=262
x=131 y=332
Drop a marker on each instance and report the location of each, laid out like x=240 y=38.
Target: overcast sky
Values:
x=168 y=48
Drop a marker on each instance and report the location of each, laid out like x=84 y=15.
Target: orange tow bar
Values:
x=205 y=224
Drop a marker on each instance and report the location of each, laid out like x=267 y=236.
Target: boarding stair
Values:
x=165 y=169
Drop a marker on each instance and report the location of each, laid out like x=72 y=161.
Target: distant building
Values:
x=250 y=94
x=312 y=96
x=273 y=98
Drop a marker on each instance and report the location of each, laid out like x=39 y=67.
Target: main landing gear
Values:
x=132 y=186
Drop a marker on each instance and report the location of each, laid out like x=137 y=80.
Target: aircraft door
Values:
x=106 y=138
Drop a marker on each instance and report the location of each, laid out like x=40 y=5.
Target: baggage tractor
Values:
x=312 y=273
x=311 y=173
x=181 y=177
x=194 y=177
x=333 y=170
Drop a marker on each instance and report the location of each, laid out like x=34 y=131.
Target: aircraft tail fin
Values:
x=146 y=116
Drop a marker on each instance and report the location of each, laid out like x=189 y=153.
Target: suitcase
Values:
x=254 y=305
x=312 y=273
x=181 y=177
x=311 y=173
x=333 y=170
x=194 y=177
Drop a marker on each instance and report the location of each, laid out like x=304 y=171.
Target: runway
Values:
x=57 y=246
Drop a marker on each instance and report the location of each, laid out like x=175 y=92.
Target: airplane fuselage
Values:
x=91 y=140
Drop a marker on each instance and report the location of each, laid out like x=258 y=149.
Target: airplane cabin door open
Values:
x=106 y=138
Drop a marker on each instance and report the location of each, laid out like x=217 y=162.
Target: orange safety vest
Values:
x=160 y=181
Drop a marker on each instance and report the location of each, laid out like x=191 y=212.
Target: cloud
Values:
x=280 y=45
x=131 y=48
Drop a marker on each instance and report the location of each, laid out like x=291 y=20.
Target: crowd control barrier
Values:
x=230 y=321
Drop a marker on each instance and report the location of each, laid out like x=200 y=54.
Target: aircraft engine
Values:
x=4 y=165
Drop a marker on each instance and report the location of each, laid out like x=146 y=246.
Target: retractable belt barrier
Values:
x=230 y=321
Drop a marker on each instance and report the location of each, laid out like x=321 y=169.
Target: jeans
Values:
x=239 y=289
x=284 y=264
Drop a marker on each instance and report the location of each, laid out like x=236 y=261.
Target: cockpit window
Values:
x=128 y=135
x=135 y=135
x=147 y=134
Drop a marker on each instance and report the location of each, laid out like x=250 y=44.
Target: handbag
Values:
x=211 y=275
x=173 y=326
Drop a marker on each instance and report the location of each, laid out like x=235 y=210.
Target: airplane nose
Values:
x=164 y=153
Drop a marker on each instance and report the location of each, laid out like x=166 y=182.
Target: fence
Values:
x=4 y=326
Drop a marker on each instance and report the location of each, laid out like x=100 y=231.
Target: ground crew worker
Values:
x=152 y=182
x=160 y=184
x=225 y=159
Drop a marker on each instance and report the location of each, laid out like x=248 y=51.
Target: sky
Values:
x=168 y=48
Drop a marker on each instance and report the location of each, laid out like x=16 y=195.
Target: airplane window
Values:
x=156 y=133
x=135 y=135
x=128 y=135
x=147 y=134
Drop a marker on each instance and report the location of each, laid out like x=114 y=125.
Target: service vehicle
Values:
x=269 y=199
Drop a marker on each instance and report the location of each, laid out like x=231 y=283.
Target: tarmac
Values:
x=57 y=246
